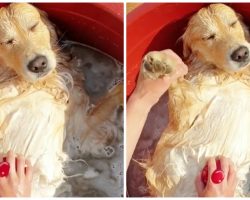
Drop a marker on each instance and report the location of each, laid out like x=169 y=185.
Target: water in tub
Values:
x=97 y=174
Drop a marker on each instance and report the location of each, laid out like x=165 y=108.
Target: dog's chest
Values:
x=223 y=128
x=31 y=124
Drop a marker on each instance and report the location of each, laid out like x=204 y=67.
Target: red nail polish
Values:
x=217 y=176
x=204 y=175
x=4 y=169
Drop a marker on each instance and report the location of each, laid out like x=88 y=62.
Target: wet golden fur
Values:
x=38 y=110
x=207 y=109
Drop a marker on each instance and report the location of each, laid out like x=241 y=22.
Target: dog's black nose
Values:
x=240 y=55
x=38 y=64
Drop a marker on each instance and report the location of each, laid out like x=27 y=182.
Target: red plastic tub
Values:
x=157 y=26
x=99 y=25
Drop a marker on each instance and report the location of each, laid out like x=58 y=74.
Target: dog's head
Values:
x=217 y=35
x=26 y=38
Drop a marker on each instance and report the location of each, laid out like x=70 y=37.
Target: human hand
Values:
x=151 y=90
x=18 y=182
x=224 y=189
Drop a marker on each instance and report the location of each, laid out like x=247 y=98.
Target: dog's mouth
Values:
x=43 y=74
x=244 y=64
x=239 y=66
x=35 y=76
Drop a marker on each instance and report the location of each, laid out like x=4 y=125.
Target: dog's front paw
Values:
x=157 y=63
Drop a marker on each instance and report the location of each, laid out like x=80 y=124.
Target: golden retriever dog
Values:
x=42 y=97
x=208 y=108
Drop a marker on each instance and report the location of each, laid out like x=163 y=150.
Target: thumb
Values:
x=199 y=184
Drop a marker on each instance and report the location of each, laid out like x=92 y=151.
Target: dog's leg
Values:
x=95 y=131
x=184 y=105
x=162 y=172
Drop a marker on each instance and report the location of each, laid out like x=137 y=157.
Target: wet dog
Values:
x=208 y=108
x=42 y=97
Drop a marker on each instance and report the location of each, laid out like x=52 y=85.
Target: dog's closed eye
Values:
x=210 y=37
x=8 y=42
x=33 y=27
x=233 y=24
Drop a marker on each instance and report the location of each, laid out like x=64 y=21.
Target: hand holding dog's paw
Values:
x=156 y=64
x=18 y=181
x=159 y=70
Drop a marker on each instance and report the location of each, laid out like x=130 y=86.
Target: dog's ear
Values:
x=187 y=51
x=50 y=25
